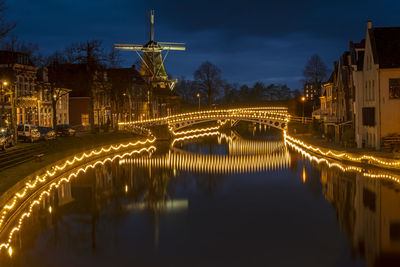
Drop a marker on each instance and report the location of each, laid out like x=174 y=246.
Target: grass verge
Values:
x=58 y=149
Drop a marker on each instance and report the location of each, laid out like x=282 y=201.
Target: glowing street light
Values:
x=198 y=96
x=303 y=99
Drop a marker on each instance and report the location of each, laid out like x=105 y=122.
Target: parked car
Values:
x=28 y=132
x=65 y=130
x=46 y=133
x=6 y=138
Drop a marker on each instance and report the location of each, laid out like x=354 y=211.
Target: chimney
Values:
x=369 y=24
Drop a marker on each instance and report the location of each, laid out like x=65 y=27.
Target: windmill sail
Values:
x=172 y=46
x=132 y=47
x=152 y=61
x=160 y=86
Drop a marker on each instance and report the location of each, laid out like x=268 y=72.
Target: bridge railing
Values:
x=256 y=112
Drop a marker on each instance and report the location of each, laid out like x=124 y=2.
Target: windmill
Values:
x=152 y=68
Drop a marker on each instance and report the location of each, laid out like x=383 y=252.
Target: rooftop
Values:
x=385 y=44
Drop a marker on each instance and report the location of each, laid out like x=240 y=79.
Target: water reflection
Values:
x=367 y=204
x=116 y=206
x=368 y=212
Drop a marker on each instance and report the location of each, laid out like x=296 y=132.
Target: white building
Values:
x=45 y=101
x=376 y=72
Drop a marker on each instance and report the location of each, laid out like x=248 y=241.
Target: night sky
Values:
x=250 y=41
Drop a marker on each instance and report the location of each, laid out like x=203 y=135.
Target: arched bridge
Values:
x=276 y=117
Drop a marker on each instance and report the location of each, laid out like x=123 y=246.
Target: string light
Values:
x=278 y=158
x=56 y=184
x=272 y=156
x=51 y=173
x=259 y=115
x=345 y=156
x=342 y=167
x=195 y=130
x=193 y=137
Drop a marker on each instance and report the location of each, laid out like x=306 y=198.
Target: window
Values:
x=394 y=231
x=394 y=88
x=369 y=199
x=85 y=119
x=368 y=116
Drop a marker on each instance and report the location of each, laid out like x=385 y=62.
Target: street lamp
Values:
x=9 y=91
x=198 y=96
x=303 y=99
x=4 y=93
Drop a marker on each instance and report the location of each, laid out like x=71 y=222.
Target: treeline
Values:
x=212 y=89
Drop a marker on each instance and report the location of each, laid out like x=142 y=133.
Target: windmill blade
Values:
x=131 y=47
x=172 y=46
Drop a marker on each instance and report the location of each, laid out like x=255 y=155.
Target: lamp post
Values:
x=8 y=91
x=2 y=91
x=303 y=99
x=198 y=96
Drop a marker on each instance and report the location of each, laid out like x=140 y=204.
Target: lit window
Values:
x=394 y=88
x=85 y=119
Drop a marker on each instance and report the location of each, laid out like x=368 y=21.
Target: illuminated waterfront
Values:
x=212 y=199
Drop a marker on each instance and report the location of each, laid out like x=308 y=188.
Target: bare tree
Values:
x=55 y=87
x=92 y=54
x=315 y=72
x=5 y=27
x=209 y=81
x=14 y=44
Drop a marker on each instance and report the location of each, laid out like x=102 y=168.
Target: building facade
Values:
x=89 y=90
x=310 y=91
x=337 y=94
x=32 y=97
x=378 y=85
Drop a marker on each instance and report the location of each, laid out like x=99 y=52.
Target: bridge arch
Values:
x=278 y=124
x=276 y=117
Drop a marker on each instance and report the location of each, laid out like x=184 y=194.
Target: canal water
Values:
x=216 y=199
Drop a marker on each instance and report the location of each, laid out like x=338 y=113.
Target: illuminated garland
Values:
x=340 y=166
x=41 y=179
x=27 y=214
x=344 y=155
x=195 y=130
x=193 y=136
x=277 y=113
x=294 y=143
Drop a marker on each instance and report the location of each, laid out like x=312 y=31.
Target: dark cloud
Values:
x=319 y=18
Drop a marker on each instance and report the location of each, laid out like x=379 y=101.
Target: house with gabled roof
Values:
x=377 y=103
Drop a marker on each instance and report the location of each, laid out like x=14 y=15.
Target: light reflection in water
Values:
x=367 y=202
x=367 y=206
x=15 y=221
x=243 y=156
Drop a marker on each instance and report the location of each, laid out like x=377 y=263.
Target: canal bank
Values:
x=359 y=156
x=57 y=150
